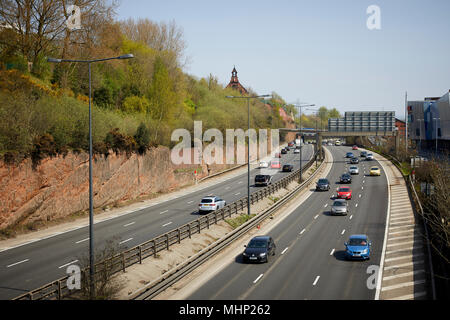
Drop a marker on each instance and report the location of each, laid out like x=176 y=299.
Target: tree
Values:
x=161 y=95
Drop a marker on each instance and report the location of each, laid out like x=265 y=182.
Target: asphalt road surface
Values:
x=28 y=267
x=310 y=255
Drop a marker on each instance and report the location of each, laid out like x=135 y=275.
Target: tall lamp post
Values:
x=300 y=130
x=248 y=145
x=91 y=198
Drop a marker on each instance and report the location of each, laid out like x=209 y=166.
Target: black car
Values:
x=283 y=151
x=288 y=168
x=354 y=160
x=346 y=178
x=323 y=185
x=263 y=180
x=363 y=154
x=259 y=249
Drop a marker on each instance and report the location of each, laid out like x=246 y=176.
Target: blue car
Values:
x=349 y=155
x=358 y=247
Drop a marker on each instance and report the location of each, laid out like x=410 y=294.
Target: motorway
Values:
x=30 y=266
x=310 y=255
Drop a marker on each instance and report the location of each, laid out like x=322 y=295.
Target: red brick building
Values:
x=401 y=127
x=234 y=83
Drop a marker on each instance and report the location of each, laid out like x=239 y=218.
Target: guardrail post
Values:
x=167 y=240
x=140 y=254
x=179 y=235
x=207 y=221
x=154 y=248
x=59 y=290
x=189 y=230
x=123 y=262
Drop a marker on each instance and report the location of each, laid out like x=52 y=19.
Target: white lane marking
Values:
x=164 y=212
x=343 y=231
x=240 y=182
x=190 y=202
x=317 y=280
x=356 y=205
x=129 y=224
x=15 y=264
x=257 y=279
x=165 y=225
x=326 y=205
x=303 y=231
x=351 y=217
x=316 y=217
x=332 y=251
x=82 y=241
x=68 y=264
x=122 y=242
x=360 y=195
x=227 y=188
x=284 y=251
x=362 y=188
x=237 y=194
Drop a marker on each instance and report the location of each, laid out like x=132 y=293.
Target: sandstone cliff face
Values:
x=59 y=186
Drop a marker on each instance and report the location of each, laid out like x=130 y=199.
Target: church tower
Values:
x=234 y=83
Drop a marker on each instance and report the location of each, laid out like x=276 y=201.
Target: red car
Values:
x=344 y=193
x=275 y=164
x=355 y=148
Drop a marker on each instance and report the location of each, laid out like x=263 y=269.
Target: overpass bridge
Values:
x=320 y=134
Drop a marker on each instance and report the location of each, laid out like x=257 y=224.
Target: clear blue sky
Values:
x=319 y=51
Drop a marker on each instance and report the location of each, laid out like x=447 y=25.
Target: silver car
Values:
x=369 y=157
x=340 y=206
x=209 y=204
x=353 y=170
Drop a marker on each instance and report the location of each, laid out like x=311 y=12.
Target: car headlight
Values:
x=262 y=254
x=364 y=251
x=244 y=254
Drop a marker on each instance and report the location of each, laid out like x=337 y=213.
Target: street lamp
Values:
x=300 y=130
x=91 y=197
x=248 y=145
x=436 y=119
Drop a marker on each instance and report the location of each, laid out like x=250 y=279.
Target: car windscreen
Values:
x=260 y=178
x=353 y=168
x=323 y=181
x=339 y=204
x=207 y=201
x=257 y=244
x=344 y=189
x=374 y=168
x=357 y=242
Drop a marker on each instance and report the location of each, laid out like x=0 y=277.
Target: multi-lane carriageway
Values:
x=27 y=267
x=310 y=261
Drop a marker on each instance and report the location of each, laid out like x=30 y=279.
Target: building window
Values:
x=417 y=132
x=439 y=132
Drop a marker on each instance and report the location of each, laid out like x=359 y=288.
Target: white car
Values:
x=369 y=157
x=263 y=164
x=297 y=151
x=353 y=170
x=209 y=204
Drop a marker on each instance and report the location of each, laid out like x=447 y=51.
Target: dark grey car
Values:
x=339 y=207
x=323 y=185
x=259 y=249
